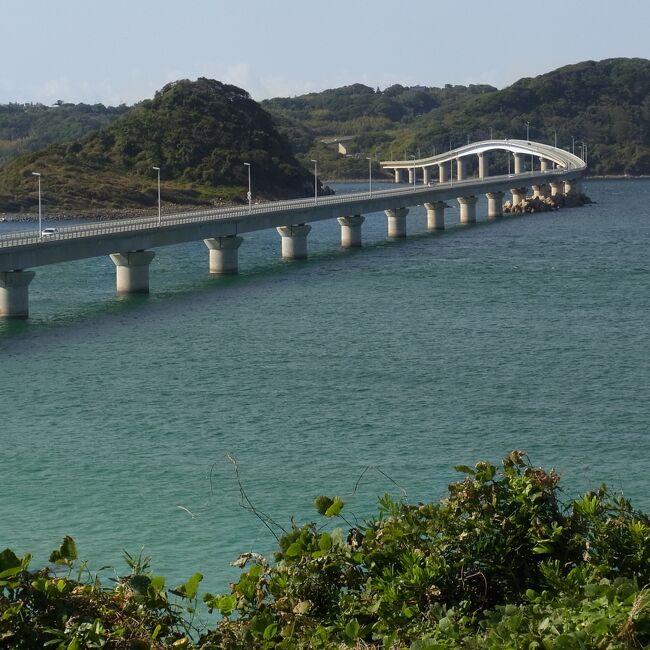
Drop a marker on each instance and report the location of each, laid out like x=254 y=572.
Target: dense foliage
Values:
x=199 y=134
x=31 y=127
x=605 y=104
x=501 y=563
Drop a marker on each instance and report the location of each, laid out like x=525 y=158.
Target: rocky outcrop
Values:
x=547 y=203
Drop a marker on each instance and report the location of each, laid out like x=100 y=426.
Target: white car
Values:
x=49 y=232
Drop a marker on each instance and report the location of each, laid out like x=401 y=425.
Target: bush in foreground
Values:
x=501 y=562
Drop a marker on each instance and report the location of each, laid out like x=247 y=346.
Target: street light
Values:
x=249 y=195
x=369 y=175
x=490 y=133
x=40 y=226
x=573 y=145
x=527 y=131
x=159 y=217
x=555 y=138
x=315 y=180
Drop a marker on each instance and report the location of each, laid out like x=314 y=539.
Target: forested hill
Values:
x=603 y=103
x=31 y=127
x=199 y=133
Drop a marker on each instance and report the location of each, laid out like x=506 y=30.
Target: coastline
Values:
x=116 y=214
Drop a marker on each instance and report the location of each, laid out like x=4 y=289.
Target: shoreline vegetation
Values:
x=500 y=563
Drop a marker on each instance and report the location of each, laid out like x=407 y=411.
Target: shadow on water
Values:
x=207 y=284
x=256 y=274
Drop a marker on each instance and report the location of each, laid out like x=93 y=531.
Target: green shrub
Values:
x=500 y=563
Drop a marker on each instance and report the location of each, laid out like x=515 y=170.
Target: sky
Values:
x=122 y=51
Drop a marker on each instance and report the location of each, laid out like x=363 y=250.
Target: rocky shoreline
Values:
x=532 y=204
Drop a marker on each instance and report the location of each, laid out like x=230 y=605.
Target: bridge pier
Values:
x=467 y=206
x=351 y=230
x=520 y=163
x=224 y=254
x=132 y=271
x=294 y=241
x=411 y=175
x=397 y=222
x=572 y=186
x=545 y=164
x=540 y=191
x=557 y=188
x=398 y=175
x=495 y=204
x=482 y=165
x=518 y=195
x=425 y=176
x=442 y=172
x=460 y=169
x=14 y=293
x=435 y=215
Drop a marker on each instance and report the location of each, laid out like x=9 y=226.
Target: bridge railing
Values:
x=78 y=231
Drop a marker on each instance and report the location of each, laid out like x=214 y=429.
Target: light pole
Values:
x=555 y=138
x=573 y=145
x=490 y=133
x=527 y=131
x=249 y=195
x=159 y=213
x=369 y=175
x=40 y=217
x=315 y=180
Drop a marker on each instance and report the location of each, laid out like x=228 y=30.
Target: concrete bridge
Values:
x=129 y=242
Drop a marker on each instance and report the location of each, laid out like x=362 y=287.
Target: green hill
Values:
x=603 y=103
x=31 y=127
x=199 y=133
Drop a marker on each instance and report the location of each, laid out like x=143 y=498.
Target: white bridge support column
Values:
x=14 y=293
x=132 y=271
x=442 y=172
x=518 y=195
x=425 y=176
x=540 y=191
x=398 y=175
x=411 y=175
x=294 y=241
x=460 y=169
x=435 y=215
x=397 y=222
x=351 y=230
x=557 y=188
x=572 y=186
x=545 y=164
x=482 y=165
x=495 y=204
x=467 y=206
x=224 y=254
x=520 y=163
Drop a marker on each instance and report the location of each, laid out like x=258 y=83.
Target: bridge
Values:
x=129 y=242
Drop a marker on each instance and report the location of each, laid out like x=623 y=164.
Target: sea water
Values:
x=176 y=424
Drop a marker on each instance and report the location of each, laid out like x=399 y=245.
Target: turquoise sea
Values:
x=352 y=373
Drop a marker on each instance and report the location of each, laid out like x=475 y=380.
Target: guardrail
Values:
x=79 y=231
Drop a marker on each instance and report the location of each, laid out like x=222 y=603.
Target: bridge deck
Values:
x=27 y=249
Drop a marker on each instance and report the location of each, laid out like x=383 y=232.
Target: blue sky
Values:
x=124 y=50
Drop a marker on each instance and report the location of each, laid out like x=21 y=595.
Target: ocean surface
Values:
x=356 y=373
